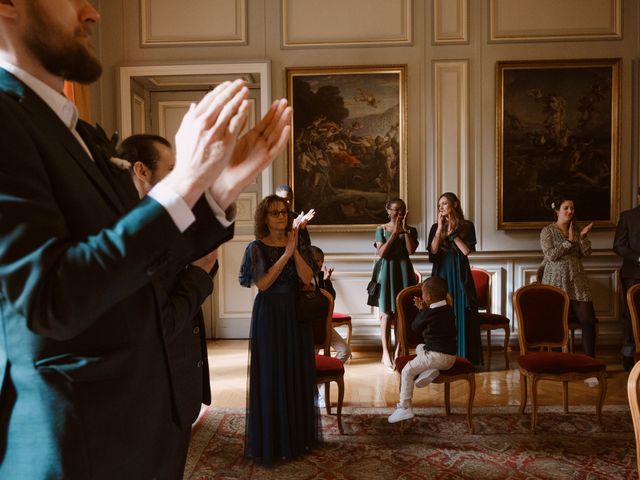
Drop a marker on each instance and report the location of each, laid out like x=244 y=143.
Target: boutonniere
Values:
x=107 y=147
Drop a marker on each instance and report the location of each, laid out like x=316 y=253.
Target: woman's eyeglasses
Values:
x=278 y=213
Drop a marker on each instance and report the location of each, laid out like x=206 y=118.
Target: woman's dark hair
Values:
x=458 y=215
x=142 y=148
x=261 y=229
x=395 y=200
x=557 y=202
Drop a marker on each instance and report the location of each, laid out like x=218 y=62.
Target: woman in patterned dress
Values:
x=563 y=246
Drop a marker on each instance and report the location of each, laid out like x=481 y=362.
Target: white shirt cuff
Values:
x=224 y=218
x=176 y=207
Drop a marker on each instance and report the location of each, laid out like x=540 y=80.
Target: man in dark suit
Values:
x=626 y=243
x=151 y=159
x=86 y=383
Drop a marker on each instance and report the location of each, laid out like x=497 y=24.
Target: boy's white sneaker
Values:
x=426 y=377
x=591 y=382
x=401 y=414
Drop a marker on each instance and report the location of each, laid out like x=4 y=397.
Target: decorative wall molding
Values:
x=139 y=114
x=331 y=23
x=246 y=206
x=451 y=136
x=171 y=111
x=551 y=20
x=234 y=301
x=223 y=22
x=450 y=22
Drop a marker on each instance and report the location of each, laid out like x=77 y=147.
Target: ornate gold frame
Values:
x=609 y=69
x=401 y=72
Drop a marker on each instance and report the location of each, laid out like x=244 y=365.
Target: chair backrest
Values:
x=418 y=276
x=633 y=391
x=406 y=312
x=322 y=326
x=633 y=302
x=543 y=312
x=482 y=281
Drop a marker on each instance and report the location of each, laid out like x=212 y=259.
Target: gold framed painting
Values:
x=557 y=133
x=348 y=147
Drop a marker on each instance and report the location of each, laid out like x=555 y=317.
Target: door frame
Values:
x=260 y=68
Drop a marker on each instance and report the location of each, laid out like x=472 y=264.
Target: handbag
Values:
x=373 y=287
x=313 y=306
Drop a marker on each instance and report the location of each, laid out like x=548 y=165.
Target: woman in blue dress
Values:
x=451 y=239
x=282 y=420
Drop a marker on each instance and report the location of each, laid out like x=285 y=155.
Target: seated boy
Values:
x=343 y=352
x=438 y=352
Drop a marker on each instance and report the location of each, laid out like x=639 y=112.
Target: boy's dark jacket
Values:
x=438 y=329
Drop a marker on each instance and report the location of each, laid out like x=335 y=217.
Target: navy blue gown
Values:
x=282 y=420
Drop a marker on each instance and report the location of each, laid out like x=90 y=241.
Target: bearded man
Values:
x=86 y=387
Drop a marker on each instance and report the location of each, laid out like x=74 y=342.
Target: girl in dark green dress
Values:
x=450 y=241
x=395 y=241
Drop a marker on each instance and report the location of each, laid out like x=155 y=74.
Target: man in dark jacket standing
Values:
x=626 y=243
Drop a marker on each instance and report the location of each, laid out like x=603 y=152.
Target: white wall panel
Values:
x=196 y=22
x=235 y=301
x=450 y=21
x=346 y=22
x=549 y=20
x=451 y=103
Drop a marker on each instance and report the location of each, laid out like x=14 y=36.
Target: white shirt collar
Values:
x=441 y=303
x=61 y=105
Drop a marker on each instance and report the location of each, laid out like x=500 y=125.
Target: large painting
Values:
x=557 y=134
x=347 y=154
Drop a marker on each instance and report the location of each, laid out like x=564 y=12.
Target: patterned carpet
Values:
x=433 y=446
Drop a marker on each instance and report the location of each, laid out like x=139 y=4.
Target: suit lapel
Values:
x=45 y=120
x=119 y=180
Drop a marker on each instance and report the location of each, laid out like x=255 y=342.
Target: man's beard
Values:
x=61 y=54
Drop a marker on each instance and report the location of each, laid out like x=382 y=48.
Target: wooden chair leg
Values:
x=327 y=397
x=507 y=332
x=349 y=331
x=534 y=402
x=489 y=349
x=565 y=396
x=447 y=398
x=472 y=393
x=523 y=392
x=572 y=339
x=602 y=385
x=340 y=382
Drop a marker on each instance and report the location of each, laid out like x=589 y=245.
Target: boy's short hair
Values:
x=313 y=249
x=437 y=288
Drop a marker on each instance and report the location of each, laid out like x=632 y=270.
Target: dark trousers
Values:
x=628 y=344
x=586 y=316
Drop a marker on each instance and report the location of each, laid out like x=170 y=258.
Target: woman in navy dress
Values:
x=282 y=420
x=450 y=241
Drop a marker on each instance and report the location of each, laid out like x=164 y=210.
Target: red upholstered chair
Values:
x=542 y=312
x=340 y=319
x=489 y=321
x=633 y=302
x=328 y=369
x=408 y=339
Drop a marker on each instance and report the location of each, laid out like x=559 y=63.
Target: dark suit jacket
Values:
x=626 y=242
x=86 y=387
x=184 y=334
